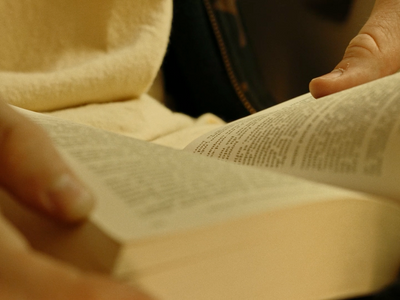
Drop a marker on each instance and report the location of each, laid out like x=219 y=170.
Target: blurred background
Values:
x=297 y=40
x=235 y=57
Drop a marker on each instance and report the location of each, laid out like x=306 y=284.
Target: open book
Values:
x=309 y=207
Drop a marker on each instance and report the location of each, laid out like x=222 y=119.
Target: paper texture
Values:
x=351 y=139
x=158 y=190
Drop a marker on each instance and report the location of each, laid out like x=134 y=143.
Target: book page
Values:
x=350 y=139
x=145 y=189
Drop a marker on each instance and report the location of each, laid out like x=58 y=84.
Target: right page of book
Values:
x=350 y=139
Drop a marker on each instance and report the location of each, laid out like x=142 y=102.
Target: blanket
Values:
x=93 y=62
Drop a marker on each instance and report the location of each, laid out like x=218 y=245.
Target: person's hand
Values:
x=32 y=172
x=372 y=54
x=26 y=274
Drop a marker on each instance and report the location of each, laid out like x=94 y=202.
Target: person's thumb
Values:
x=372 y=54
x=32 y=171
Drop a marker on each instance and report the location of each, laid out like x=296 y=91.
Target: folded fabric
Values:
x=143 y=118
x=56 y=54
x=92 y=62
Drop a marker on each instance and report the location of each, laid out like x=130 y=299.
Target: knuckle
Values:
x=363 y=44
x=17 y=141
x=8 y=133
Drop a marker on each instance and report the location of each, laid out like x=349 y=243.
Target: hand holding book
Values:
x=33 y=173
x=372 y=54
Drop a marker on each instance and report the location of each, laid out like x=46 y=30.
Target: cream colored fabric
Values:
x=62 y=53
x=91 y=61
x=143 y=118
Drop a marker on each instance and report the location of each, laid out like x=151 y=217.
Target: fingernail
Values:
x=334 y=74
x=69 y=199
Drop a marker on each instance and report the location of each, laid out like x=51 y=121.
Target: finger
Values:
x=372 y=54
x=25 y=274
x=33 y=172
x=35 y=277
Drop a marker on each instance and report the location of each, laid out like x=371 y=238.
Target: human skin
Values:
x=33 y=173
x=372 y=54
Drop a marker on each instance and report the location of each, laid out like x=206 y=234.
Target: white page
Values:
x=350 y=139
